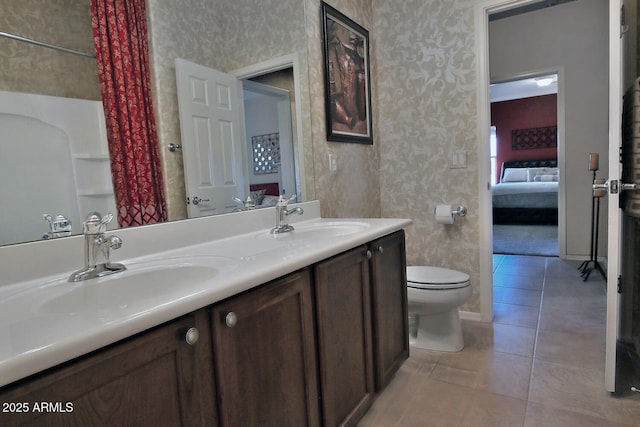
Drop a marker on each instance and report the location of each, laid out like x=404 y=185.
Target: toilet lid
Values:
x=423 y=277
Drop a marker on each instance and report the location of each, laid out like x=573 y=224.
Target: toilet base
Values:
x=439 y=332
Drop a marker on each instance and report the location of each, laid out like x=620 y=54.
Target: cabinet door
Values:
x=390 y=317
x=343 y=307
x=264 y=355
x=155 y=378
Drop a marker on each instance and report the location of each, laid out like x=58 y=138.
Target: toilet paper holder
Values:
x=461 y=211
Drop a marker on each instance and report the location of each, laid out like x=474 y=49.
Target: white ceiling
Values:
x=524 y=88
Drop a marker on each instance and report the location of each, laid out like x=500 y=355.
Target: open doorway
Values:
x=524 y=165
x=269 y=128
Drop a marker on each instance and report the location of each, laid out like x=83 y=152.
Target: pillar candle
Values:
x=593 y=161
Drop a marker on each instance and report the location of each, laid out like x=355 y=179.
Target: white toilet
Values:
x=434 y=295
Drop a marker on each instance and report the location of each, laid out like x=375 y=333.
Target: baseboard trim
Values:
x=470 y=315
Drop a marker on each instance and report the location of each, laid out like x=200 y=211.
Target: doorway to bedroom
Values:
x=524 y=165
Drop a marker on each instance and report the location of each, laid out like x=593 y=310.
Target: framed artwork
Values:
x=266 y=153
x=528 y=139
x=347 y=80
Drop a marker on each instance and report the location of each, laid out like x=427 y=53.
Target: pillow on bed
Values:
x=257 y=196
x=268 y=201
x=514 y=175
x=545 y=178
x=533 y=172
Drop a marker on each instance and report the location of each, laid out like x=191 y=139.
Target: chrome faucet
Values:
x=59 y=226
x=246 y=204
x=282 y=213
x=97 y=248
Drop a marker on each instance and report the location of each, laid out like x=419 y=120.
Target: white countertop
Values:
x=45 y=321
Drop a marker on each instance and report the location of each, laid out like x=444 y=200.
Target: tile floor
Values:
x=540 y=363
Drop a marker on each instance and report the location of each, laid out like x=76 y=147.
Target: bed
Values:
x=527 y=193
x=265 y=195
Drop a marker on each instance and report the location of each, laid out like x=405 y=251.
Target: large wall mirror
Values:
x=239 y=37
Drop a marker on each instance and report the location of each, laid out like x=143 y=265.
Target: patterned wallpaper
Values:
x=354 y=189
x=423 y=89
x=426 y=107
x=34 y=69
x=224 y=35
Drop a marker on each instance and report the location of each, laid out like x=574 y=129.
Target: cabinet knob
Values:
x=369 y=255
x=231 y=319
x=380 y=250
x=192 y=335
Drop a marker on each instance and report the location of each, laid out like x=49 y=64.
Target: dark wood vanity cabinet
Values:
x=265 y=355
x=154 y=378
x=307 y=349
x=390 y=317
x=362 y=325
x=345 y=347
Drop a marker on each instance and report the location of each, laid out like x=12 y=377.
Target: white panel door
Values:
x=212 y=131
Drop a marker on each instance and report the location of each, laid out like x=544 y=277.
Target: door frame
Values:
x=287 y=176
x=485 y=217
x=614 y=213
x=560 y=107
x=276 y=64
x=481 y=12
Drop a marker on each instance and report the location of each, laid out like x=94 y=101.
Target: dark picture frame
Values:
x=346 y=78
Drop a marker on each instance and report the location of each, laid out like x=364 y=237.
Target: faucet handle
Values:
x=95 y=224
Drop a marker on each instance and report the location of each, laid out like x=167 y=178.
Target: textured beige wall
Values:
x=224 y=35
x=426 y=104
x=354 y=190
x=34 y=69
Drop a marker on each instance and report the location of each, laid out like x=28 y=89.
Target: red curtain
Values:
x=122 y=54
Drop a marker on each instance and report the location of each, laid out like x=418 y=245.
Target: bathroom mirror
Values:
x=231 y=36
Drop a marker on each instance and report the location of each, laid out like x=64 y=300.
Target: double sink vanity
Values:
x=215 y=321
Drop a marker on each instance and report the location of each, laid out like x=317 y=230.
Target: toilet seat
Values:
x=425 y=277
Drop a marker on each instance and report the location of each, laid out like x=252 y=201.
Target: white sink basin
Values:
x=321 y=230
x=141 y=283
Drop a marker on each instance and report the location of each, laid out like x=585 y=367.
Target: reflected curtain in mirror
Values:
x=122 y=54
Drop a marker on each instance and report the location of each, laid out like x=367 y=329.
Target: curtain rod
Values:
x=47 y=45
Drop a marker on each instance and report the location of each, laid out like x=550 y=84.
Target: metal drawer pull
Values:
x=231 y=319
x=380 y=250
x=192 y=335
x=369 y=255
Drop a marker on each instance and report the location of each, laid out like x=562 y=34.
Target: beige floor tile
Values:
x=572 y=287
x=516 y=296
x=532 y=283
x=497 y=381
x=488 y=409
x=557 y=267
x=464 y=377
x=506 y=375
x=520 y=269
x=514 y=339
x=585 y=350
x=574 y=303
x=479 y=337
x=438 y=404
x=579 y=390
x=399 y=393
x=516 y=315
x=525 y=261
x=576 y=319
x=544 y=416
